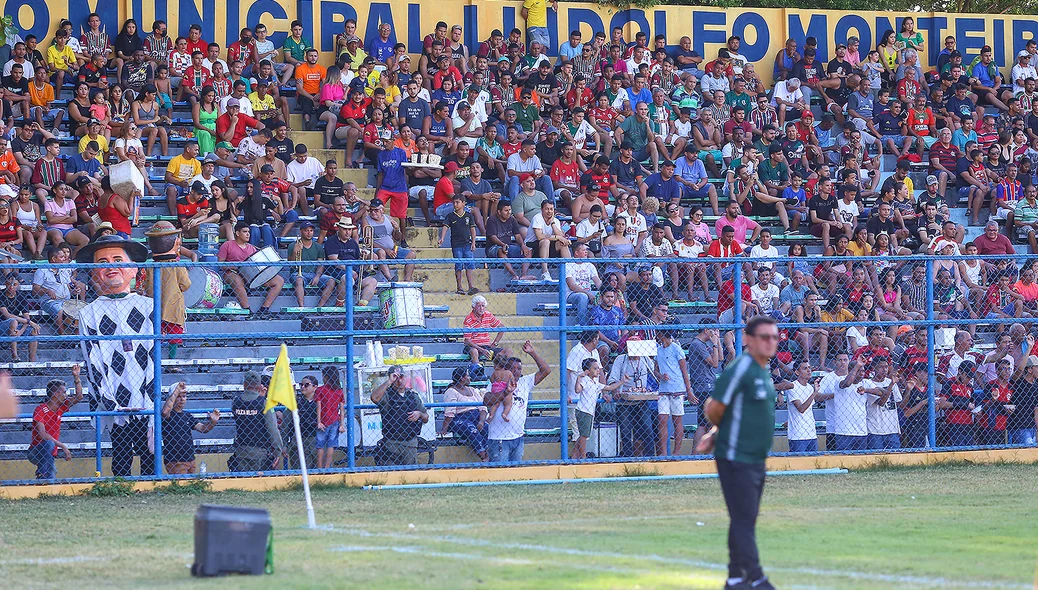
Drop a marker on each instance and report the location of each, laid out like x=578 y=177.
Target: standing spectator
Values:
x=1021 y=425
x=467 y=423
x=462 y=227
x=331 y=418
x=957 y=400
x=607 y=314
x=178 y=448
x=632 y=416
x=306 y=408
x=479 y=345
x=589 y=387
x=506 y=436
x=849 y=412
x=46 y=426
x=703 y=359
x=884 y=398
x=255 y=432
x=586 y=348
x=675 y=389
x=581 y=277
x=403 y=415
x=915 y=399
x=800 y=431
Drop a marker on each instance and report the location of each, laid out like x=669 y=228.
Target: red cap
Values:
x=451 y=167
x=524 y=176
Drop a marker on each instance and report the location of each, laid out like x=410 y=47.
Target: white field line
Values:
x=52 y=560
x=924 y=581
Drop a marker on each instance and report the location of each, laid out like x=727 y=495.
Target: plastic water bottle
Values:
x=203 y=469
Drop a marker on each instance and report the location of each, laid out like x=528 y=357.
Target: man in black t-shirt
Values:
x=821 y=209
x=1021 y=424
x=643 y=296
x=327 y=187
x=178 y=448
x=27 y=147
x=462 y=227
x=281 y=143
x=16 y=95
x=881 y=221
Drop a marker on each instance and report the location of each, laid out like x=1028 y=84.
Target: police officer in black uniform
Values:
x=255 y=433
x=403 y=415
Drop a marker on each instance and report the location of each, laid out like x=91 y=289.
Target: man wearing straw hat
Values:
x=121 y=372
x=164 y=241
x=344 y=246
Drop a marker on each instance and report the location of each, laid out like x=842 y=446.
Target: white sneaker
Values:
x=546 y=276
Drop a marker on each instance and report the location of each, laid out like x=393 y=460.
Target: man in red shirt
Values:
x=944 y=158
x=865 y=356
x=194 y=40
x=957 y=399
x=725 y=246
x=232 y=125
x=992 y=241
x=243 y=50
x=193 y=209
x=46 y=426
x=196 y=78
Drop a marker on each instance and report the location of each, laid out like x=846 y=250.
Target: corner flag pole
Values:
x=310 y=520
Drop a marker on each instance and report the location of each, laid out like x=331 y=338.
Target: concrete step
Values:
x=500 y=304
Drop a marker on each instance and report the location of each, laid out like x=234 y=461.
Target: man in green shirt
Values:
x=774 y=172
x=527 y=115
x=1025 y=217
x=637 y=131
x=742 y=408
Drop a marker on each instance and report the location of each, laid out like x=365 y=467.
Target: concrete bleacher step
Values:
x=500 y=304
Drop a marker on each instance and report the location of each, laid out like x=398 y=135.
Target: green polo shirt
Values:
x=747 y=428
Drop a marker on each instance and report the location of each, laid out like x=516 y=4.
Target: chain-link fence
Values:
x=430 y=362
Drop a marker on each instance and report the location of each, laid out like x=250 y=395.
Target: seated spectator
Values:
x=764 y=294
x=725 y=246
x=239 y=250
x=526 y=162
x=343 y=245
x=15 y=319
x=306 y=249
x=658 y=246
x=643 y=296
x=547 y=235
x=55 y=287
x=479 y=345
x=734 y=218
x=388 y=236
x=467 y=423
x=505 y=239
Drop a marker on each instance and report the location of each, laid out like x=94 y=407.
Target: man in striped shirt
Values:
x=49 y=169
x=742 y=408
x=478 y=344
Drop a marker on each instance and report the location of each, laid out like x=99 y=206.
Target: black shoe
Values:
x=762 y=584
x=742 y=585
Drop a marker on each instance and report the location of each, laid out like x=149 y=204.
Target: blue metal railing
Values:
x=349 y=334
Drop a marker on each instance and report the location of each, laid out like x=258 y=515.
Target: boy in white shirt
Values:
x=800 y=430
x=881 y=419
x=765 y=250
x=589 y=387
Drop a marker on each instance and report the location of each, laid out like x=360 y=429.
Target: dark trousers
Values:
x=742 y=485
x=130 y=440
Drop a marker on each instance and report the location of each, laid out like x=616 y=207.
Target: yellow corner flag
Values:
x=281 y=390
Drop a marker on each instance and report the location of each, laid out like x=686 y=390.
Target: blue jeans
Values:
x=465 y=426
x=635 y=423
x=510 y=451
x=1022 y=436
x=543 y=184
x=42 y=456
x=846 y=442
x=915 y=436
x=884 y=441
x=809 y=445
x=580 y=300
x=261 y=236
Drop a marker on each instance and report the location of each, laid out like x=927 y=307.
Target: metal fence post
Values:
x=351 y=456
x=156 y=355
x=931 y=363
x=737 y=304
x=98 y=457
x=563 y=394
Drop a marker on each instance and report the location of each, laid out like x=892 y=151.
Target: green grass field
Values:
x=944 y=527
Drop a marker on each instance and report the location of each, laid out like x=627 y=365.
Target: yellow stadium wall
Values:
x=763 y=31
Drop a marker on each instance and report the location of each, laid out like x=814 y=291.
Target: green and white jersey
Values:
x=746 y=431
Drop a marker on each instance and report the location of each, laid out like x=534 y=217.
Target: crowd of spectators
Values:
x=612 y=150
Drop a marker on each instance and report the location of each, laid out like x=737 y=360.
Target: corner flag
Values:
x=281 y=390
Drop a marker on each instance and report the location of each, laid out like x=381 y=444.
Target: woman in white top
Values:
x=128 y=146
x=34 y=235
x=468 y=423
